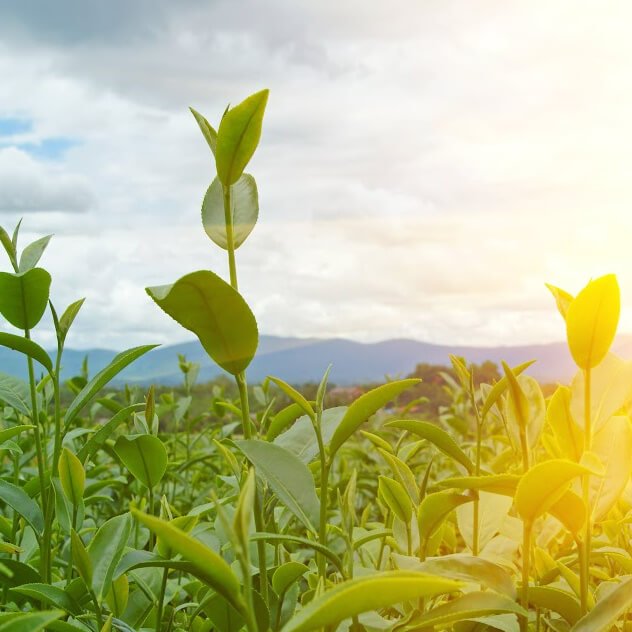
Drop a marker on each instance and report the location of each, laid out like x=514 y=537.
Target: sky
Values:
x=425 y=166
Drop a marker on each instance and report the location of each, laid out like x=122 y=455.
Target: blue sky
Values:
x=424 y=169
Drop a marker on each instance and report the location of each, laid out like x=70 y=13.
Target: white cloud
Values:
x=424 y=167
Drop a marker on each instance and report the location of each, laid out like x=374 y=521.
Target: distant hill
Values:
x=300 y=360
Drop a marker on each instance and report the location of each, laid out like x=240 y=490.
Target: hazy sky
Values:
x=425 y=166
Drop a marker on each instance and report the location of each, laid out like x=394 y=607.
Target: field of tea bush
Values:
x=122 y=510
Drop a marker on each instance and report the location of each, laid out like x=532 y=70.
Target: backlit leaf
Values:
x=216 y=313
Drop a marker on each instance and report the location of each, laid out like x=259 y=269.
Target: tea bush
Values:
x=509 y=512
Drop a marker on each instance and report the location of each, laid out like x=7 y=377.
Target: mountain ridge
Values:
x=300 y=360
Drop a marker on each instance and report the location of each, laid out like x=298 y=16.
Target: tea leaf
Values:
x=15 y=393
x=72 y=476
x=30 y=622
x=102 y=378
x=366 y=406
x=106 y=550
x=364 y=594
x=212 y=569
x=24 y=296
x=396 y=498
x=562 y=299
x=475 y=604
x=33 y=253
x=28 y=348
x=286 y=574
x=606 y=612
x=543 y=485
x=244 y=208
x=435 y=508
x=207 y=130
x=293 y=394
x=438 y=437
x=591 y=321
x=556 y=600
x=288 y=477
x=238 y=136
x=145 y=456
x=50 y=595
x=23 y=504
x=216 y=313
x=501 y=386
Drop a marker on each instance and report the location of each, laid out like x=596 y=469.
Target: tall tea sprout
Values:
x=203 y=302
x=591 y=324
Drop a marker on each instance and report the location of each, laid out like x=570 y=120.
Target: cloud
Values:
x=424 y=167
x=27 y=186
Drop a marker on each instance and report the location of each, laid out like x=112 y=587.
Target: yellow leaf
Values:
x=591 y=321
x=570 y=440
x=562 y=298
x=544 y=485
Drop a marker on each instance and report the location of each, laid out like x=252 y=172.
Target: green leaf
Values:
x=286 y=574
x=283 y=419
x=118 y=596
x=102 y=434
x=591 y=321
x=215 y=572
x=5 y=240
x=244 y=510
x=81 y=558
x=396 y=498
x=467 y=568
x=23 y=504
x=106 y=550
x=145 y=456
x=216 y=313
x=504 y=484
x=207 y=130
x=68 y=317
x=28 y=348
x=556 y=600
x=15 y=393
x=288 y=477
x=468 y=606
x=286 y=537
x=402 y=473
x=543 y=485
x=184 y=523
x=33 y=253
x=102 y=378
x=24 y=296
x=366 y=594
x=50 y=595
x=294 y=395
x=72 y=476
x=435 y=508
x=364 y=407
x=238 y=136
x=9 y=433
x=30 y=622
x=437 y=436
x=607 y=610
x=244 y=207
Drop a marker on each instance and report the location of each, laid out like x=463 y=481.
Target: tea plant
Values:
x=270 y=510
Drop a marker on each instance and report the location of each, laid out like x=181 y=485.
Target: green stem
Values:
x=261 y=550
x=324 y=498
x=476 y=508
x=161 y=599
x=151 y=513
x=45 y=548
x=242 y=385
x=230 y=239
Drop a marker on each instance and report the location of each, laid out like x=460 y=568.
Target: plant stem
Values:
x=476 y=508
x=526 y=561
x=45 y=545
x=161 y=599
x=230 y=239
x=586 y=544
x=324 y=494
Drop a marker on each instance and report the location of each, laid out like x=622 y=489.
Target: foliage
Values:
x=275 y=507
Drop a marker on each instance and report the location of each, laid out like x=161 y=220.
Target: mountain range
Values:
x=301 y=360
